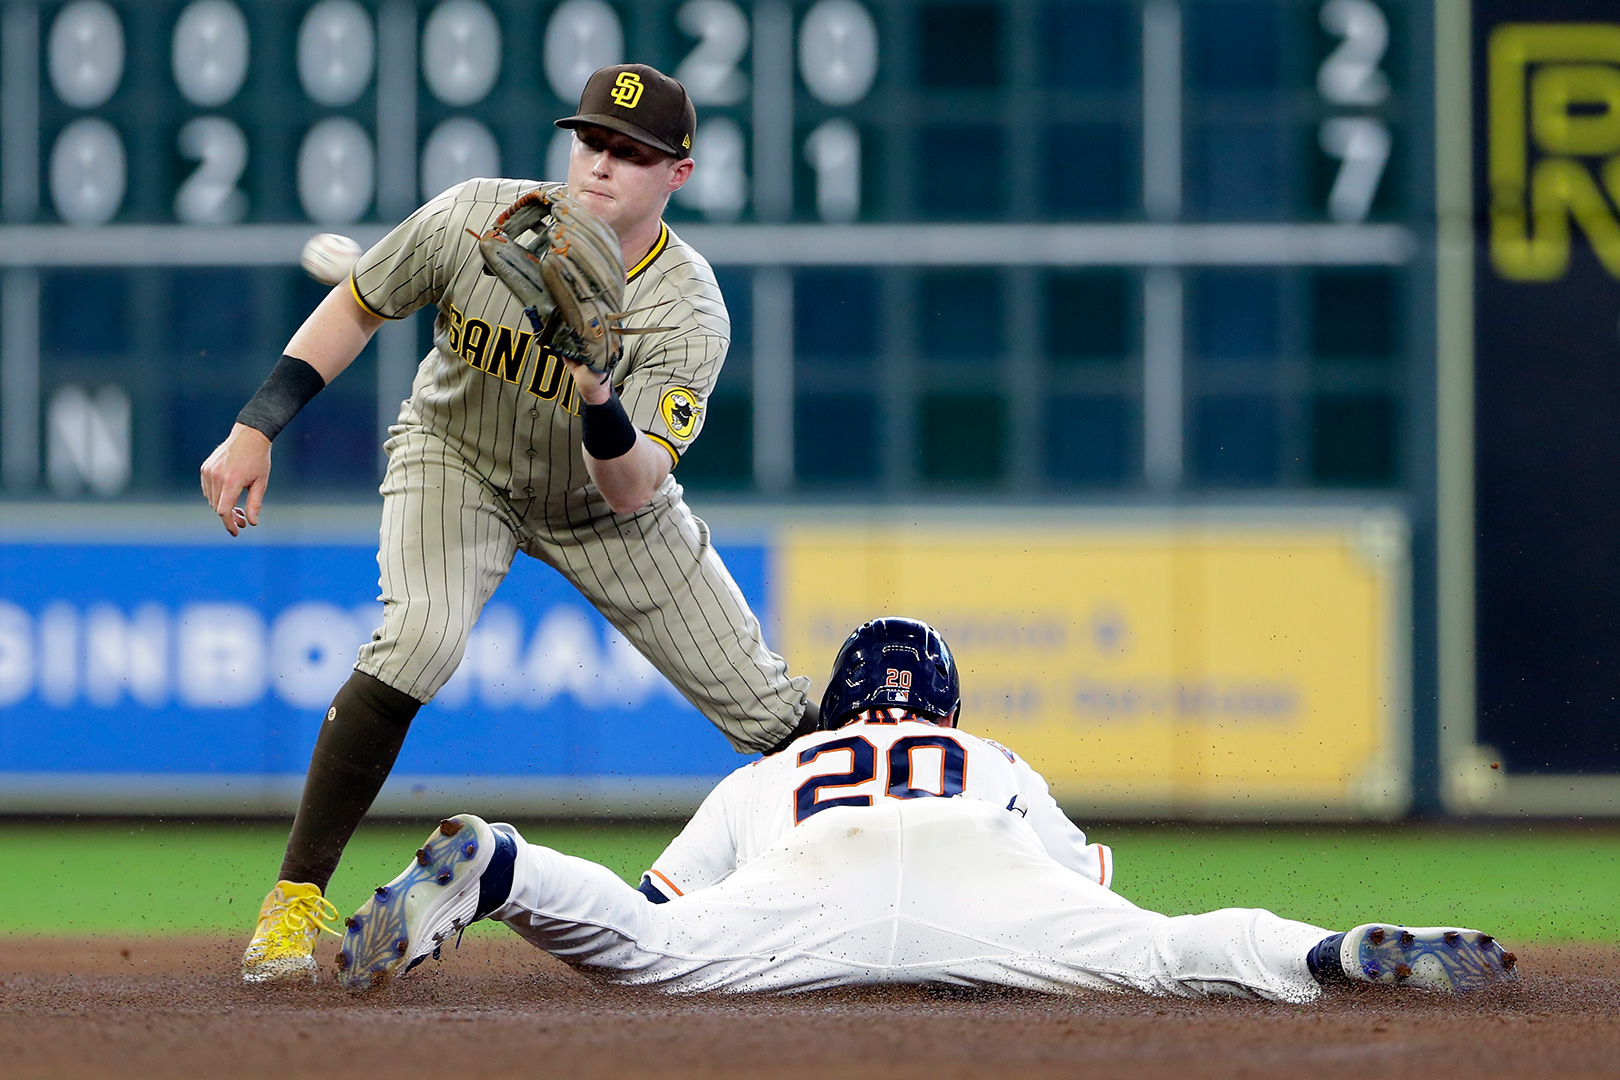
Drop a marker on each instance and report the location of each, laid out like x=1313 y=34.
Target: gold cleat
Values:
x=291 y=920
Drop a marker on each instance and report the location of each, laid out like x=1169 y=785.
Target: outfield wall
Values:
x=1168 y=663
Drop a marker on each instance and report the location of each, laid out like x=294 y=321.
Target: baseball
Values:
x=328 y=257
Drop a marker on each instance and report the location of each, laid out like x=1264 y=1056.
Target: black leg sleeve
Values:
x=354 y=752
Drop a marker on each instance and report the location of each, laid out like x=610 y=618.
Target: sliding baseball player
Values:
x=890 y=848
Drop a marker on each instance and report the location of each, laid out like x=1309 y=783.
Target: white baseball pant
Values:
x=951 y=891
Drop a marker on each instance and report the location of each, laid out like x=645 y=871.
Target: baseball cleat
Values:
x=291 y=919
x=1429 y=957
x=408 y=919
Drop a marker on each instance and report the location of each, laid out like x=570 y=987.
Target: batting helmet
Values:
x=892 y=663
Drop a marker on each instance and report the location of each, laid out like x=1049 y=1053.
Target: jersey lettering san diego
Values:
x=504 y=351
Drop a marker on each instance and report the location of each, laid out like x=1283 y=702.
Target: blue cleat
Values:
x=408 y=919
x=1428 y=957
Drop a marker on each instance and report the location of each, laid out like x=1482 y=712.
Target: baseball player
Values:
x=889 y=848
x=515 y=440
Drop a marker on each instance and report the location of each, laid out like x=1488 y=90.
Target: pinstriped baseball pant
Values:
x=448 y=539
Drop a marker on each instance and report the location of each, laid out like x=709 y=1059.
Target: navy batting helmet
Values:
x=892 y=663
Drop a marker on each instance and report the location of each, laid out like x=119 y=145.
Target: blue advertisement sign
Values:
x=220 y=659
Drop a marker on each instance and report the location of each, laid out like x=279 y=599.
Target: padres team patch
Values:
x=679 y=407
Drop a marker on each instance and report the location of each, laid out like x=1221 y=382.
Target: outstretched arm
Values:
x=328 y=341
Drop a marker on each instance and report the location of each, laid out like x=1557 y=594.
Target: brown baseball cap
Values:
x=641 y=102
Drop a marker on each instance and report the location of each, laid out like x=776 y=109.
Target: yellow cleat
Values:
x=290 y=922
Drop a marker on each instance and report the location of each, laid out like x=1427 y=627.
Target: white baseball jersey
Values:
x=859 y=765
x=837 y=862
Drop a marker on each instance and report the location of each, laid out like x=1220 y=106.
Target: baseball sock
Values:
x=1324 y=962
x=354 y=752
x=495 y=886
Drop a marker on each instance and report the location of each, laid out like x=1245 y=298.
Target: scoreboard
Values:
x=212 y=112
x=985 y=248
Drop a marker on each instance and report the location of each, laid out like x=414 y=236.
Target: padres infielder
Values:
x=492 y=455
x=891 y=849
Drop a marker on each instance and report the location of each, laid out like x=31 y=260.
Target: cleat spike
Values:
x=1508 y=960
x=1376 y=936
x=352 y=923
x=1453 y=938
x=1486 y=939
x=408 y=918
x=342 y=961
x=1407 y=939
x=1403 y=971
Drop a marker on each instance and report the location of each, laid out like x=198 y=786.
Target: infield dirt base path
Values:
x=141 y=1008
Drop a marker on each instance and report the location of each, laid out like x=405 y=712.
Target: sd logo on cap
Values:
x=641 y=102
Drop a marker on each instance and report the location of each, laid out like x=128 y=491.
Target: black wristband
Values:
x=608 y=432
x=289 y=387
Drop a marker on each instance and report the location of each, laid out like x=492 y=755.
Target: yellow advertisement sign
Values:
x=1176 y=668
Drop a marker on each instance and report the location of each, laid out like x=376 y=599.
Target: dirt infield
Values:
x=142 y=1008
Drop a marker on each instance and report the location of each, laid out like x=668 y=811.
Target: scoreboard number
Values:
x=87 y=172
x=1350 y=76
x=86 y=54
x=336 y=171
x=710 y=71
x=581 y=36
x=461 y=51
x=209 y=196
x=210 y=53
x=336 y=52
x=458 y=148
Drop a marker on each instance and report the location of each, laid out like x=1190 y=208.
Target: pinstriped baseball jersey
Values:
x=508 y=408
x=486 y=461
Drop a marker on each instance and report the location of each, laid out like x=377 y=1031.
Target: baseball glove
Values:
x=573 y=269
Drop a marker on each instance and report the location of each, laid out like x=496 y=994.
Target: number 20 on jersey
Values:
x=809 y=799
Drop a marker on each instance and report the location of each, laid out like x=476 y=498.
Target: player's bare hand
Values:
x=240 y=463
x=593 y=388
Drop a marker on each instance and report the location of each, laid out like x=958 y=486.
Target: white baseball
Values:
x=328 y=257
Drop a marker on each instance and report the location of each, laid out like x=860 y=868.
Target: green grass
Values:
x=1525 y=883
x=159 y=878
x=1522 y=882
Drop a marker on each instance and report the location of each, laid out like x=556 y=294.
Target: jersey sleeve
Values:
x=405 y=269
x=1062 y=838
x=704 y=853
x=667 y=391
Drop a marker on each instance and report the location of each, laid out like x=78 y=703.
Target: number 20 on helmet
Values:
x=892 y=663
